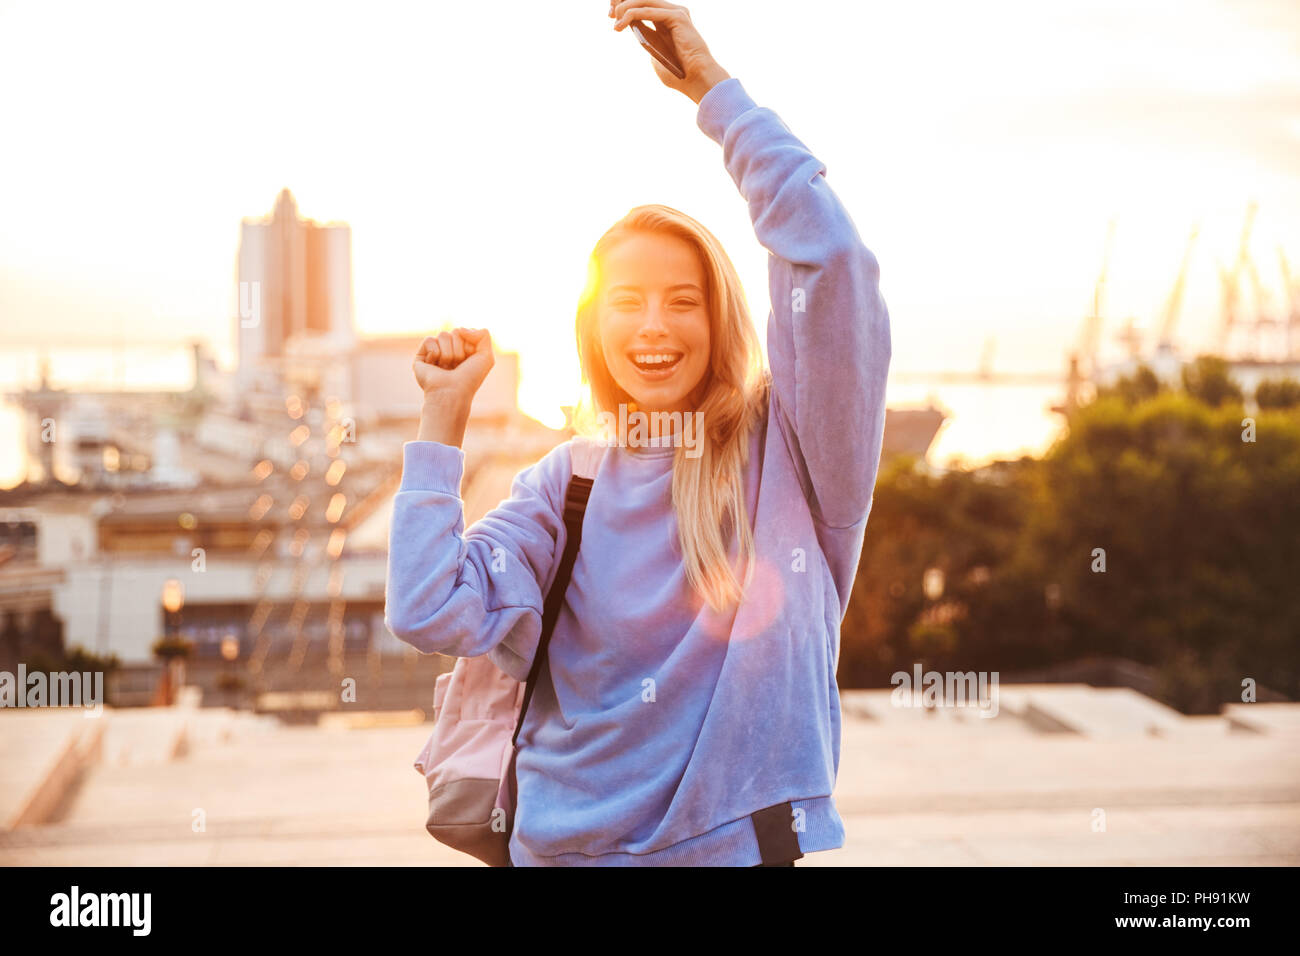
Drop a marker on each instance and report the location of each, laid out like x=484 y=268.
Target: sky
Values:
x=479 y=150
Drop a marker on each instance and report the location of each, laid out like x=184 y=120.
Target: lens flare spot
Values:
x=764 y=598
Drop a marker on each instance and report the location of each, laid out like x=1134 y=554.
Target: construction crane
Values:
x=985 y=368
x=1130 y=336
x=1291 y=289
x=1174 y=305
x=1264 y=318
x=1230 y=282
x=1090 y=337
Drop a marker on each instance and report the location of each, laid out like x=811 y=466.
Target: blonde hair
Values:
x=708 y=491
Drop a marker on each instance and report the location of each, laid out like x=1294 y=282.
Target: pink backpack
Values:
x=478 y=710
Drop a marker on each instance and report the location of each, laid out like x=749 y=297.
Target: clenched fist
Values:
x=454 y=362
x=449 y=368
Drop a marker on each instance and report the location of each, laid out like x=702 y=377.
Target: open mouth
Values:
x=655 y=364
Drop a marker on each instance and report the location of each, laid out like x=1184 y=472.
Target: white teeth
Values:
x=654 y=359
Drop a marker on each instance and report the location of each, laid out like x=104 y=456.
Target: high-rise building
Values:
x=295 y=279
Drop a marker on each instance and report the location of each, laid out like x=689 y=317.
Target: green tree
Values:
x=1199 y=533
x=1152 y=531
x=1135 y=388
x=171 y=648
x=1278 y=393
x=962 y=524
x=1208 y=380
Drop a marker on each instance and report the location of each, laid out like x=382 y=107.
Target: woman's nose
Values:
x=654 y=322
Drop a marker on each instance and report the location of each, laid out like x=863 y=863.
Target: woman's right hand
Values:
x=452 y=365
x=449 y=368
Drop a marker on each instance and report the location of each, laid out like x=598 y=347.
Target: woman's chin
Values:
x=648 y=398
x=650 y=403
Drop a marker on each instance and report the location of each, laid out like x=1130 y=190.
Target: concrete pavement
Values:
x=1063 y=775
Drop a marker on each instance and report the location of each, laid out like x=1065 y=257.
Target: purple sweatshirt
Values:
x=658 y=726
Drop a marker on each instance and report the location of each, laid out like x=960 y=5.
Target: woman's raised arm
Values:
x=828 y=334
x=828 y=338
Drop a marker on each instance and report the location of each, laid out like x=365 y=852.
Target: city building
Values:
x=294 y=279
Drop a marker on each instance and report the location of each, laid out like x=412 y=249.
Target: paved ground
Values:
x=916 y=787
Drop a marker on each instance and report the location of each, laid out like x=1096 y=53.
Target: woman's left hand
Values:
x=702 y=70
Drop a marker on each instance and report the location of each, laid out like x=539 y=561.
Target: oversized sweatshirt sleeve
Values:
x=828 y=332
x=477 y=591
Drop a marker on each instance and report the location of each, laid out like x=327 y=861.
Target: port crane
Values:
x=1230 y=284
x=1090 y=338
x=1174 y=304
x=1291 y=290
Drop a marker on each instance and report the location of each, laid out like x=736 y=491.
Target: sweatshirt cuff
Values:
x=432 y=466
x=722 y=104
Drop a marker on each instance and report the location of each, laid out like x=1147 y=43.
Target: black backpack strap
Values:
x=777 y=841
x=575 y=506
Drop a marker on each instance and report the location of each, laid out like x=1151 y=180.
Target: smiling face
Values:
x=654 y=320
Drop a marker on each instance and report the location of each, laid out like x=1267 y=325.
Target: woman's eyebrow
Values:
x=671 y=288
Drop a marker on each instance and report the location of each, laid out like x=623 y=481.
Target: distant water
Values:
x=986 y=421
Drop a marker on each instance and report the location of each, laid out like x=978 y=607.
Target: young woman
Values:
x=687 y=712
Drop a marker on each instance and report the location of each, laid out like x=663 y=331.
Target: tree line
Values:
x=1162 y=527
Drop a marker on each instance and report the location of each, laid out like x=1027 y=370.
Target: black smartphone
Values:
x=659 y=43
